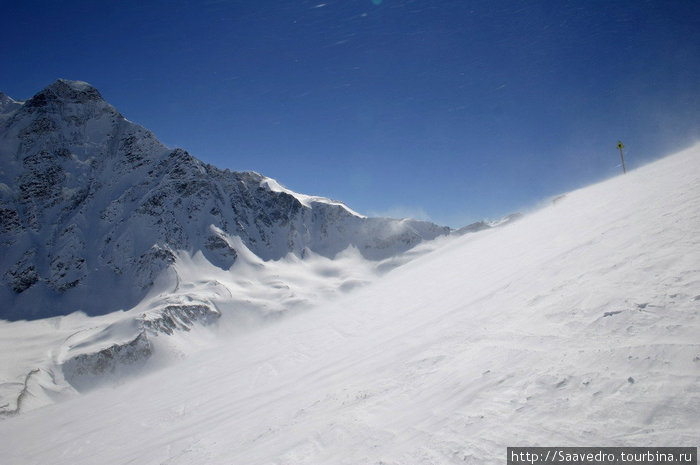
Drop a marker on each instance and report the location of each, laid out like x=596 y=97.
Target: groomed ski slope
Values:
x=578 y=325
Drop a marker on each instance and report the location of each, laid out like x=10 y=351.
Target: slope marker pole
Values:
x=622 y=157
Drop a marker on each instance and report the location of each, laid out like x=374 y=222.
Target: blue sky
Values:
x=449 y=110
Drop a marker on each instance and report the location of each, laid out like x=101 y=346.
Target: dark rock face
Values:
x=180 y=318
x=93 y=368
x=64 y=92
x=23 y=274
x=93 y=208
x=85 y=370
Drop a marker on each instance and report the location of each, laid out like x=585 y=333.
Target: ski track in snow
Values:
x=575 y=326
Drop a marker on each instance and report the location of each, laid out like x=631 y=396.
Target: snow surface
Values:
x=250 y=293
x=576 y=326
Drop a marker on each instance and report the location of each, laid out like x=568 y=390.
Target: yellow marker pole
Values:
x=622 y=157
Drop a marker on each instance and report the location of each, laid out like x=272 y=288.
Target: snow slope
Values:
x=577 y=325
x=37 y=355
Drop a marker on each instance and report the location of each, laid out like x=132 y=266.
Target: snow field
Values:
x=576 y=326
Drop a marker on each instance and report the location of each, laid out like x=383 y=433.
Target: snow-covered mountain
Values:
x=109 y=239
x=93 y=208
x=575 y=326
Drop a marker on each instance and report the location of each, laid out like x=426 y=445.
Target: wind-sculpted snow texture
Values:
x=93 y=208
x=575 y=326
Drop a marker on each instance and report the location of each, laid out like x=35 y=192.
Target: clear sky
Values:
x=449 y=110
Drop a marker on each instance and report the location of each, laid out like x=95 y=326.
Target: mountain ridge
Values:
x=89 y=197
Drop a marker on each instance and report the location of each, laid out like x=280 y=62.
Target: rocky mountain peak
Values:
x=74 y=102
x=65 y=91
